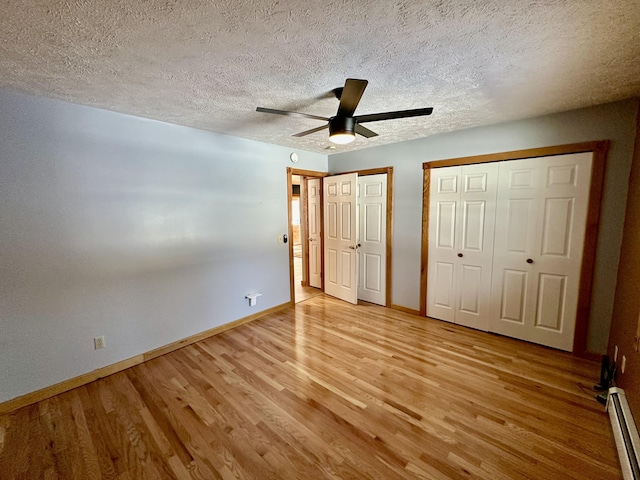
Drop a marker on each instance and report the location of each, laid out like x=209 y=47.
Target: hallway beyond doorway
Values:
x=302 y=292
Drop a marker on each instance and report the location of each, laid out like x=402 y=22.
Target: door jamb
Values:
x=599 y=150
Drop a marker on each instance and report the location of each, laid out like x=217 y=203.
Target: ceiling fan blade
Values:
x=290 y=114
x=365 y=132
x=313 y=130
x=374 y=117
x=350 y=97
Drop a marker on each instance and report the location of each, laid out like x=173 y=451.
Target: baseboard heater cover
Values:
x=625 y=433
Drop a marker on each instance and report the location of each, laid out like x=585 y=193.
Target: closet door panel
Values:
x=550 y=311
x=513 y=288
x=519 y=227
x=563 y=202
x=443 y=287
x=556 y=229
x=470 y=287
x=542 y=204
x=446 y=224
x=443 y=220
x=474 y=251
x=473 y=227
x=513 y=295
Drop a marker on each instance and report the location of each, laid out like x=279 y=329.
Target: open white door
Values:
x=542 y=204
x=315 y=242
x=340 y=237
x=372 y=203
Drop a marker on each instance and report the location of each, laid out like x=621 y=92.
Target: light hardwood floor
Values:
x=302 y=293
x=326 y=390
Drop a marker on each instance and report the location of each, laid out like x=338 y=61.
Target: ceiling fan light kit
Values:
x=342 y=130
x=344 y=125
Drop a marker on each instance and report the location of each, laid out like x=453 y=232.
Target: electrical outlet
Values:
x=615 y=354
x=623 y=364
x=98 y=342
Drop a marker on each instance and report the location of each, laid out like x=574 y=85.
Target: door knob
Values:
x=529 y=260
x=460 y=255
x=352 y=247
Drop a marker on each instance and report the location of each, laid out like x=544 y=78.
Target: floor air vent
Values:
x=625 y=433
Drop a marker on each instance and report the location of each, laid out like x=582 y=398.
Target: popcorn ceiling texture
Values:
x=209 y=64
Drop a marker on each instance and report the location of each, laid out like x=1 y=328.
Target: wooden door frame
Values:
x=304 y=235
x=305 y=174
x=599 y=150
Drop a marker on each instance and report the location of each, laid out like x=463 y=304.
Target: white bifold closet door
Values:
x=542 y=207
x=506 y=243
x=461 y=228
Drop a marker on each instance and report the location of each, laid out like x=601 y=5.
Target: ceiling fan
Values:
x=344 y=125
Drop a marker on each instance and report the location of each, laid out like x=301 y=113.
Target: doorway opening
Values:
x=300 y=231
x=305 y=248
x=306 y=258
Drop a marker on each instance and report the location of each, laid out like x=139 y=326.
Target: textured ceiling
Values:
x=209 y=64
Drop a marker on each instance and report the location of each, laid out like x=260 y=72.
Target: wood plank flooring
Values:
x=326 y=390
x=302 y=293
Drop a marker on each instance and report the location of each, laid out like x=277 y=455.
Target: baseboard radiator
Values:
x=625 y=433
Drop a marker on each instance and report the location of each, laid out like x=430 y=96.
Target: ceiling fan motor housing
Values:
x=342 y=125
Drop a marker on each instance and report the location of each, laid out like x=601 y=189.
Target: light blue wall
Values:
x=137 y=230
x=615 y=122
x=147 y=232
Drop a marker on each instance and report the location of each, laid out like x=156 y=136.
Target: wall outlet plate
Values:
x=98 y=342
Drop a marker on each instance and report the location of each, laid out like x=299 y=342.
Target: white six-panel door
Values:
x=372 y=204
x=340 y=232
x=315 y=240
x=538 y=247
x=444 y=200
x=462 y=220
x=476 y=224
